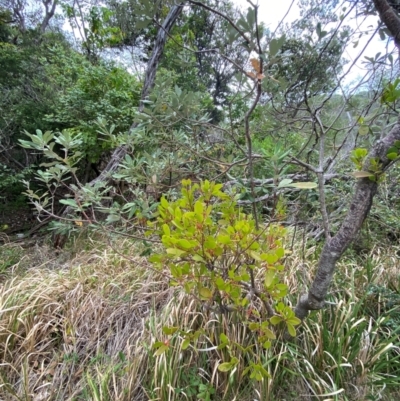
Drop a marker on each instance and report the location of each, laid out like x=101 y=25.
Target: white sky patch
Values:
x=272 y=12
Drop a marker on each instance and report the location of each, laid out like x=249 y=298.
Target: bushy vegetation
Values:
x=222 y=203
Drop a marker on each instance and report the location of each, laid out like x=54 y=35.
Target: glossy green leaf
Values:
x=166 y=229
x=392 y=156
x=184 y=243
x=256 y=256
x=164 y=203
x=224 y=338
x=275 y=320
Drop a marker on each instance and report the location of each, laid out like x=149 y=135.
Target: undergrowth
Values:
x=83 y=327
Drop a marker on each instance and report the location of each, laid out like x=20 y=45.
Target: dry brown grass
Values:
x=80 y=326
x=61 y=329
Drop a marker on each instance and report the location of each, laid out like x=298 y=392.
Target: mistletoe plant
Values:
x=216 y=253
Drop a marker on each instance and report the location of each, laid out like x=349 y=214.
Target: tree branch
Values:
x=358 y=211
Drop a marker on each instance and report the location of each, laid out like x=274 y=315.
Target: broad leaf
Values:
x=362 y=174
x=304 y=185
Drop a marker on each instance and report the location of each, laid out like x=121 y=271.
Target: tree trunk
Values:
x=148 y=84
x=360 y=206
x=362 y=199
x=50 y=8
x=390 y=18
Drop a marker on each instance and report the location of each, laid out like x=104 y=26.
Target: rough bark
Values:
x=360 y=206
x=149 y=80
x=389 y=17
x=50 y=8
x=362 y=200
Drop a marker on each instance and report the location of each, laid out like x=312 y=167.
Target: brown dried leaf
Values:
x=256 y=64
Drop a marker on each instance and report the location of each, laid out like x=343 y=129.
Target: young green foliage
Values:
x=216 y=254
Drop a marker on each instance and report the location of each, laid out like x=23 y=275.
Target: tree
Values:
x=375 y=164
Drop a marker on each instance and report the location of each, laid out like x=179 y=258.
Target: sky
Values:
x=271 y=12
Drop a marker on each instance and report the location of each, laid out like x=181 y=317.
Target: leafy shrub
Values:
x=219 y=256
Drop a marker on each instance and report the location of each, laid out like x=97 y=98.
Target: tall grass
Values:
x=84 y=329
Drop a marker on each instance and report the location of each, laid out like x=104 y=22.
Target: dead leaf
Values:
x=256 y=64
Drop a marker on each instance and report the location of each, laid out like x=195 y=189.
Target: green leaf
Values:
x=275 y=320
x=210 y=243
x=285 y=182
x=363 y=130
x=224 y=338
x=169 y=330
x=198 y=258
x=161 y=350
x=225 y=367
x=69 y=202
x=294 y=321
x=175 y=251
x=362 y=174
x=251 y=16
x=269 y=258
x=254 y=326
x=304 y=185
x=156 y=258
x=164 y=203
x=291 y=330
x=275 y=45
x=199 y=208
x=318 y=29
x=184 y=243
x=205 y=293
x=256 y=256
x=280 y=252
x=392 y=156
x=224 y=239
x=269 y=334
x=185 y=343
x=166 y=229
x=220 y=283
x=188 y=286
x=269 y=278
